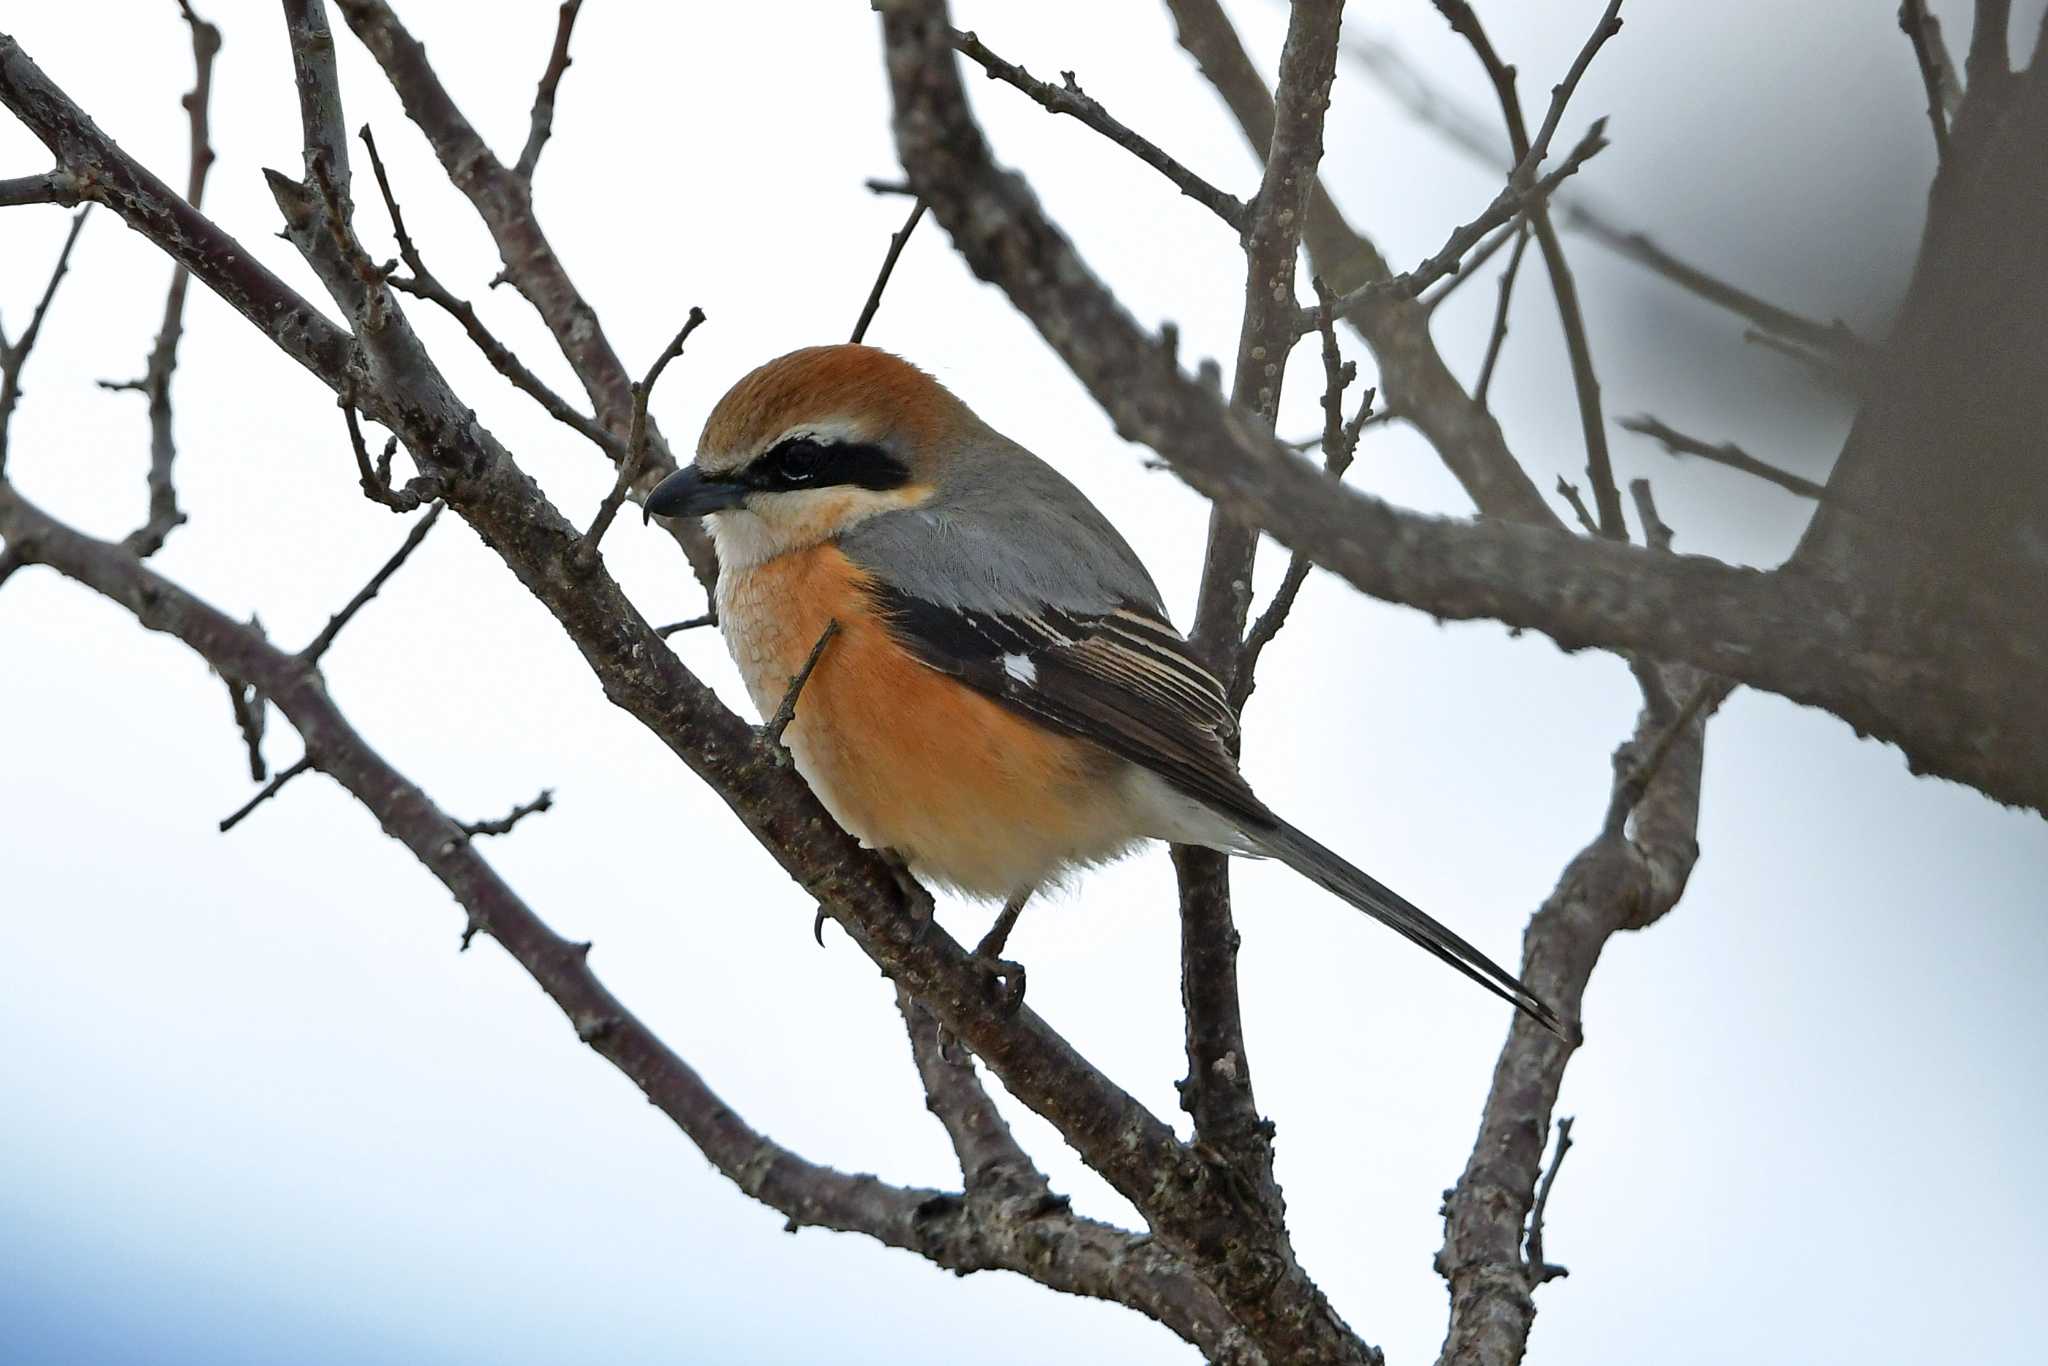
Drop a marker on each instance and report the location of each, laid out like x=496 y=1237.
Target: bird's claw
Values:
x=1005 y=980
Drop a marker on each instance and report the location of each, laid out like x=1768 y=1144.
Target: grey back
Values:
x=1004 y=533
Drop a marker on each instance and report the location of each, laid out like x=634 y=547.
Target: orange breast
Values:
x=906 y=757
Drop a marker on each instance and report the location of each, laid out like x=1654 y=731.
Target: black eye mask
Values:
x=803 y=462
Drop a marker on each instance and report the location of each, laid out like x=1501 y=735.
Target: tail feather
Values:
x=1383 y=904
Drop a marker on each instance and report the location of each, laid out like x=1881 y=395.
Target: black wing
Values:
x=1123 y=679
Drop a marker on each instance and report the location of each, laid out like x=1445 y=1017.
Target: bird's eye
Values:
x=799 y=461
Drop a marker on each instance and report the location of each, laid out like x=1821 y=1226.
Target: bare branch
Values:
x=14 y=354
x=309 y=658
x=1571 y=495
x=785 y=712
x=1071 y=100
x=1990 y=55
x=424 y=285
x=503 y=825
x=1510 y=231
x=503 y=199
x=1033 y=1237
x=1515 y=198
x=1917 y=25
x=164 y=514
x=636 y=444
x=1430 y=107
x=250 y=712
x=1578 y=346
x=376 y=480
x=51 y=187
x=542 y=122
x=693 y=623
x=1540 y=1269
x=1726 y=453
x=1415 y=383
x=992 y=1163
x=897 y=240
x=1940 y=689
x=1339 y=441
x=1498 y=336
x=270 y=789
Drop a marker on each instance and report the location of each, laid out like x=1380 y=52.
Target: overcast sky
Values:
x=258 y=1109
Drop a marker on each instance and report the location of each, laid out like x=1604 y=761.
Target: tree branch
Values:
x=155 y=384
x=1071 y=100
x=542 y=122
x=897 y=240
x=1414 y=381
x=1918 y=26
x=636 y=443
x=503 y=199
x=1578 y=347
x=1727 y=453
x=1050 y=1245
x=14 y=355
x=309 y=658
x=1941 y=687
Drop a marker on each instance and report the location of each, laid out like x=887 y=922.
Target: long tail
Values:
x=1383 y=904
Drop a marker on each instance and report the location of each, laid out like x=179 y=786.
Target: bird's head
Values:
x=811 y=444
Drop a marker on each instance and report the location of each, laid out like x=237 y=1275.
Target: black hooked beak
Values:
x=687 y=493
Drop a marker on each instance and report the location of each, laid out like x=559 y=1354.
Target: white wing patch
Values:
x=1021 y=669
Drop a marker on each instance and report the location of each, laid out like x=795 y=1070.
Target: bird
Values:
x=987 y=686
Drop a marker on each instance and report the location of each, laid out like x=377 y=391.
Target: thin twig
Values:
x=250 y=712
x=636 y=445
x=164 y=513
x=1517 y=197
x=310 y=656
x=693 y=623
x=1471 y=264
x=1071 y=100
x=503 y=825
x=423 y=284
x=1635 y=779
x=897 y=240
x=1541 y=1271
x=13 y=355
x=1339 y=441
x=542 y=123
x=1656 y=534
x=786 y=712
x=270 y=789
x=1570 y=493
x=1726 y=453
x=1499 y=335
x=1913 y=22
x=375 y=479
x=1578 y=345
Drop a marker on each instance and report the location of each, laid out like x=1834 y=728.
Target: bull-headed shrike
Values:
x=1004 y=700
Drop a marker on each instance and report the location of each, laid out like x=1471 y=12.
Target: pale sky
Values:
x=257 y=1107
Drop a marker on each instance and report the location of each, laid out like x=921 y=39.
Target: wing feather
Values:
x=1123 y=679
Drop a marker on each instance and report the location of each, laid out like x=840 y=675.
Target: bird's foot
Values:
x=915 y=897
x=1004 y=980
